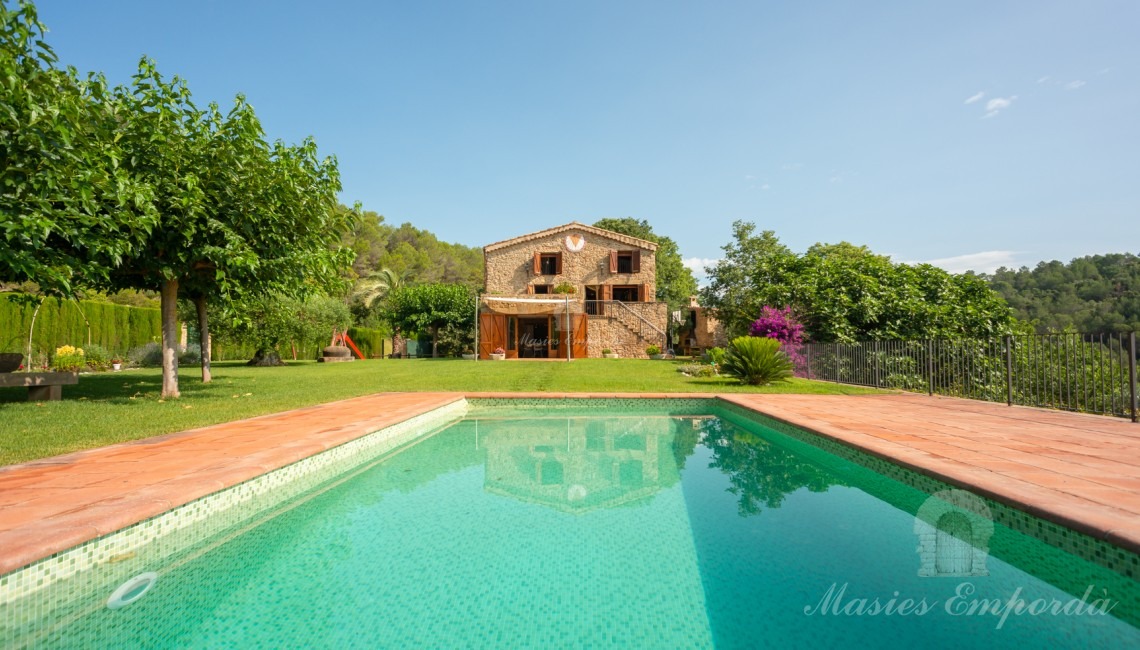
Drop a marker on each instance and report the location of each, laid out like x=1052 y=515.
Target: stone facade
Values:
x=583 y=254
x=509 y=265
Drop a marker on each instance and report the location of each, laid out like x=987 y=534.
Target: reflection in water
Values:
x=761 y=473
x=580 y=464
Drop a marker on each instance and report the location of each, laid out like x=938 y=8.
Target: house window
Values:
x=541 y=289
x=547 y=263
x=626 y=294
x=625 y=261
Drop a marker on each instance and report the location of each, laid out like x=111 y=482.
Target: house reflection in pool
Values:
x=581 y=464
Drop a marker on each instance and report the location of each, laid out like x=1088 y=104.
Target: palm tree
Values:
x=373 y=289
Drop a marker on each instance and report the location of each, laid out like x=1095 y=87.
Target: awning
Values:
x=525 y=306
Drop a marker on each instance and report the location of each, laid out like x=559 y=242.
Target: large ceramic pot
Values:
x=10 y=361
x=337 y=351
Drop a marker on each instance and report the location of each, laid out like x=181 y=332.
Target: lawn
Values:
x=105 y=408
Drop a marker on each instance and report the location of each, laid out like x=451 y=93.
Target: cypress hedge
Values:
x=118 y=328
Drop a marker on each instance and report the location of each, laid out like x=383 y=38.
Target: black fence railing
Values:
x=1088 y=373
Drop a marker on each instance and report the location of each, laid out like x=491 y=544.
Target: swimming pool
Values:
x=663 y=523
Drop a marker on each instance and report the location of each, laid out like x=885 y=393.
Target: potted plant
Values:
x=499 y=354
x=468 y=354
x=609 y=354
x=116 y=364
x=654 y=352
x=10 y=359
x=565 y=288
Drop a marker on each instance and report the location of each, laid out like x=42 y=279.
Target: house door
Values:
x=492 y=334
x=534 y=337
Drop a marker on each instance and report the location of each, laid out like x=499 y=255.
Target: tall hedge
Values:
x=372 y=342
x=115 y=327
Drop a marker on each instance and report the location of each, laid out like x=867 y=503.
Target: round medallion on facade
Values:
x=575 y=243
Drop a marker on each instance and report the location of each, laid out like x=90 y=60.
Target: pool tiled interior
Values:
x=313 y=445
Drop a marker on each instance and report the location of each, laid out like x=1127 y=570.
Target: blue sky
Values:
x=1006 y=132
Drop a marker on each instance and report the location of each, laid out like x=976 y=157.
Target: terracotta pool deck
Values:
x=1079 y=471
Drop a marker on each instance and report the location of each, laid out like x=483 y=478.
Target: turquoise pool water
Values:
x=638 y=528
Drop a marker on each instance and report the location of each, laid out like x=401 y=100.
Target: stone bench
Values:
x=42 y=386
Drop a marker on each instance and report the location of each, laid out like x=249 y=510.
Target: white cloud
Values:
x=973 y=98
x=697 y=266
x=997 y=105
x=1073 y=85
x=765 y=187
x=1104 y=71
x=984 y=262
x=792 y=167
x=1043 y=80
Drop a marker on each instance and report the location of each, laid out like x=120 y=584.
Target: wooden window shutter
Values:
x=607 y=292
x=644 y=291
x=637 y=261
x=558 y=264
x=537 y=263
x=530 y=289
x=613 y=262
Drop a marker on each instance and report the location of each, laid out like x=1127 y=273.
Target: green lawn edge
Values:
x=108 y=408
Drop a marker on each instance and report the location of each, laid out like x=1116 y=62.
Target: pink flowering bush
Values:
x=781 y=324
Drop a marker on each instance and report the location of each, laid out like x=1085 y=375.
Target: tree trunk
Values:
x=170 y=339
x=434 y=339
x=266 y=357
x=203 y=337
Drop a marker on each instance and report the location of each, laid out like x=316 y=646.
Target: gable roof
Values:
x=573 y=225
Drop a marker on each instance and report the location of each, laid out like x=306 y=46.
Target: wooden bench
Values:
x=42 y=386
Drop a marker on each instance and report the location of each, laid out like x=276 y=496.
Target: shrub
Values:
x=715 y=356
x=565 y=288
x=192 y=355
x=607 y=351
x=68 y=359
x=149 y=355
x=697 y=370
x=781 y=324
x=757 y=361
x=98 y=358
x=652 y=350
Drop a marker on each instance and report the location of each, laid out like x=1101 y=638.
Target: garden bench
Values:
x=42 y=386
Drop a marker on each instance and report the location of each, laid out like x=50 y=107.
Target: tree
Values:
x=266 y=322
x=843 y=292
x=430 y=307
x=240 y=218
x=675 y=281
x=69 y=210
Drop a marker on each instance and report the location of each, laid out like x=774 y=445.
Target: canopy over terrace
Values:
x=551 y=328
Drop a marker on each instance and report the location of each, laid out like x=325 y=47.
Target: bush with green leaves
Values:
x=697 y=370
x=146 y=356
x=652 y=350
x=715 y=356
x=757 y=361
x=192 y=355
x=97 y=356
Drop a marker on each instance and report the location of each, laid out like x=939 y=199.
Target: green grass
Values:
x=106 y=408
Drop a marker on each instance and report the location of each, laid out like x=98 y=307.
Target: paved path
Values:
x=1080 y=471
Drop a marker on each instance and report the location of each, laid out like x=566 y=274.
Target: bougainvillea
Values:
x=781 y=324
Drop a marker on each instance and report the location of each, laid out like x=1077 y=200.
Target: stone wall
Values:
x=510 y=269
x=619 y=331
x=709 y=332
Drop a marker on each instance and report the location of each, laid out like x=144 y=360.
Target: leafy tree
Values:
x=430 y=307
x=675 y=281
x=266 y=322
x=239 y=217
x=70 y=210
x=416 y=255
x=1096 y=293
x=844 y=292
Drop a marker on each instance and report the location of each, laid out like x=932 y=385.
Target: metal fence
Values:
x=1088 y=373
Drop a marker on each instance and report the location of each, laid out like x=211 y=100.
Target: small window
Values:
x=549 y=264
x=626 y=294
x=542 y=289
x=625 y=262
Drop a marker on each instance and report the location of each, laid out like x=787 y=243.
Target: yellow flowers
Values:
x=69 y=351
x=68 y=358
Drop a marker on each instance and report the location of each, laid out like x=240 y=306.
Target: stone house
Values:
x=570 y=292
